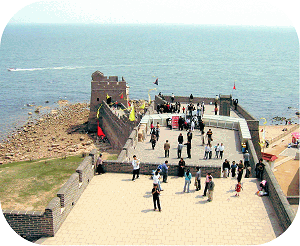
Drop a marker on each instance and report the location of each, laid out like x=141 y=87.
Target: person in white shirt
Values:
x=217 y=149
x=192 y=125
x=136 y=167
x=207 y=150
x=156 y=178
x=221 y=148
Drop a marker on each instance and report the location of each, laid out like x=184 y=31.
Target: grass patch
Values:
x=31 y=185
x=112 y=157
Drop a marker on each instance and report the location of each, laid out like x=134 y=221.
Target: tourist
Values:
x=246 y=159
x=206 y=151
x=187 y=181
x=241 y=165
x=183 y=109
x=217 y=150
x=191 y=97
x=153 y=140
x=206 y=183
x=179 y=150
x=221 y=150
x=136 y=168
x=226 y=168
x=180 y=138
x=172 y=97
x=198 y=109
x=216 y=110
x=192 y=125
x=238 y=189
x=198 y=179
x=209 y=136
x=155 y=193
x=201 y=126
x=156 y=178
x=210 y=152
x=188 y=149
x=99 y=167
x=157 y=131
x=167 y=148
x=259 y=169
x=210 y=188
x=189 y=136
x=240 y=173
x=180 y=123
x=164 y=171
x=233 y=169
x=181 y=165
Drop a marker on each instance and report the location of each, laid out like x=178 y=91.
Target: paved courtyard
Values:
x=113 y=210
x=229 y=138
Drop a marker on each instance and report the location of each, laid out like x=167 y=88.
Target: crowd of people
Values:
x=191 y=122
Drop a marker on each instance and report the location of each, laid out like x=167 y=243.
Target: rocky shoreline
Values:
x=60 y=133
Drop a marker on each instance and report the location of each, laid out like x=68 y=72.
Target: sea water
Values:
x=54 y=62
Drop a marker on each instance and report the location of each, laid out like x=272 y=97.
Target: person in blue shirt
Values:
x=187 y=181
x=164 y=171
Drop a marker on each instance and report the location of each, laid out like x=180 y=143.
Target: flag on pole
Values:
x=156 y=82
x=121 y=96
x=132 y=114
x=234 y=86
x=107 y=96
x=143 y=106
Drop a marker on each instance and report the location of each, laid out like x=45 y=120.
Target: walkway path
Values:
x=114 y=210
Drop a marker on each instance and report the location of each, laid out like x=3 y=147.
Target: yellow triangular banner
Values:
x=132 y=114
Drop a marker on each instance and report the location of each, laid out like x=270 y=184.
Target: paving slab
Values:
x=113 y=210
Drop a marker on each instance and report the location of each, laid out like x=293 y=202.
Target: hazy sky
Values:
x=227 y=12
x=215 y=12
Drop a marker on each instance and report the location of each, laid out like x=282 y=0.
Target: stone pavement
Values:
x=113 y=210
x=229 y=138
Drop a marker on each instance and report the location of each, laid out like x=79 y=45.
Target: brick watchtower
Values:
x=101 y=86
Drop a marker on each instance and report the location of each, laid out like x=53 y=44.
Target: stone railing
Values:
x=36 y=224
x=147 y=168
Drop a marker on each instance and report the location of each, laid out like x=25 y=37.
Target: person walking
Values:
x=233 y=169
x=198 y=179
x=189 y=136
x=210 y=152
x=99 y=167
x=155 y=194
x=153 y=140
x=206 y=151
x=217 y=150
x=136 y=168
x=259 y=169
x=188 y=149
x=192 y=125
x=180 y=138
x=157 y=132
x=216 y=110
x=240 y=174
x=206 y=183
x=156 y=178
x=179 y=150
x=226 y=168
x=221 y=148
x=209 y=136
x=210 y=188
x=181 y=165
x=172 y=97
x=238 y=189
x=164 y=171
x=187 y=181
x=167 y=148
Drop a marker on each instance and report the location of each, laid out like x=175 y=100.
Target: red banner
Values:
x=175 y=120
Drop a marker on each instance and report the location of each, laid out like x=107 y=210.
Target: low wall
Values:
x=147 y=167
x=116 y=129
x=279 y=201
x=32 y=225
